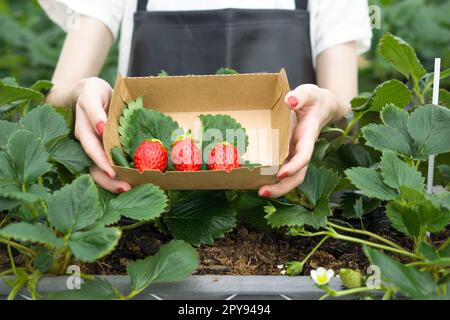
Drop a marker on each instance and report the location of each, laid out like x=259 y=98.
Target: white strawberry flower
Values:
x=322 y=276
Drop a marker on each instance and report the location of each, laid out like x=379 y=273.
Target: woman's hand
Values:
x=313 y=108
x=91 y=107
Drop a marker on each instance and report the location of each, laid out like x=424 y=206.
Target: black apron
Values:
x=201 y=42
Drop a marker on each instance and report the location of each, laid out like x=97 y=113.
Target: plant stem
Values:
x=11 y=259
x=348 y=129
x=367 y=233
x=336 y=235
x=19 y=247
x=314 y=249
x=342 y=293
x=6 y=272
x=134 y=225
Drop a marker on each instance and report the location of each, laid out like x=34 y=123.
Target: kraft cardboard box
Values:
x=254 y=100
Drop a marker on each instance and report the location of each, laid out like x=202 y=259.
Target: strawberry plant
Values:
x=381 y=165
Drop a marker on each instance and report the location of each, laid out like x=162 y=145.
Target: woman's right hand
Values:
x=90 y=120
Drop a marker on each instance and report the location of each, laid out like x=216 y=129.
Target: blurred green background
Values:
x=30 y=42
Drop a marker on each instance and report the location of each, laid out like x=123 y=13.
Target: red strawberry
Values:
x=150 y=155
x=186 y=156
x=223 y=156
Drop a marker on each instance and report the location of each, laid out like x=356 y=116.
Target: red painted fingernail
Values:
x=100 y=126
x=266 y=194
x=120 y=190
x=292 y=101
x=283 y=175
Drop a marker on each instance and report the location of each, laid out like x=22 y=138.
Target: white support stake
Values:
x=437 y=77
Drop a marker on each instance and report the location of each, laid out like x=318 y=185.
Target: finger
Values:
x=283 y=186
x=112 y=185
x=303 y=150
x=91 y=143
x=303 y=95
x=94 y=108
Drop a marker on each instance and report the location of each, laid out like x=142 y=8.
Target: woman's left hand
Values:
x=314 y=107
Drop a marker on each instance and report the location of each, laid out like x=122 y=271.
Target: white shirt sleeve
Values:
x=334 y=22
x=65 y=12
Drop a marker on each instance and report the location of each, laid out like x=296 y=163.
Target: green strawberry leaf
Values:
x=348 y=204
x=74 y=207
x=410 y=281
x=174 y=261
x=390 y=92
x=218 y=128
x=42 y=86
x=6 y=129
x=382 y=137
x=397 y=173
x=200 y=217
x=298 y=216
x=45 y=123
x=429 y=128
x=27 y=193
x=124 y=121
x=226 y=71
x=145 y=202
x=88 y=246
x=402 y=56
x=250 y=208
x=370 y=182
x=28 y=156
x=71 y=155
x=10 y=94
x=91 y=289
x=34 y=233
x=150 y=124
x=318 y=184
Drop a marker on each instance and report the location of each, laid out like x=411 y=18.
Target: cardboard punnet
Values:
x=254 y=100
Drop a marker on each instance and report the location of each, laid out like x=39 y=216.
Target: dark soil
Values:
x=247 y=251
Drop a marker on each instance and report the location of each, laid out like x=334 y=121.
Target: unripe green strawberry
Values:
x=150 y=155
x=186 y=156
x=223 y=156
x=351 y=278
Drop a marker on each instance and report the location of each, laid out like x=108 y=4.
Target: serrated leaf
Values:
x=145 y=202
x=200 y=217
x=96 y=289
x=174 y=261
x=348 y=205
x=370 y=183
x=390 y=92
x=28 y=156
x=149 y=124
x=6 y=129
x=383 y=137
x=45 y=123
x=249 y=207
x=30 y=194
x=318 y=184
x=88 y=246
x=74 y=207
x=402 y=56
x=34 y=233
x=42 y=86
x=411 y=282
x=9 y=94
x=432 y=255
x=220 y=127
x=124 y=121
x=71 y=155
x=297 y=216
x=429 y=128
x=413 y=212
x=397 y=118
x=397 y=173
